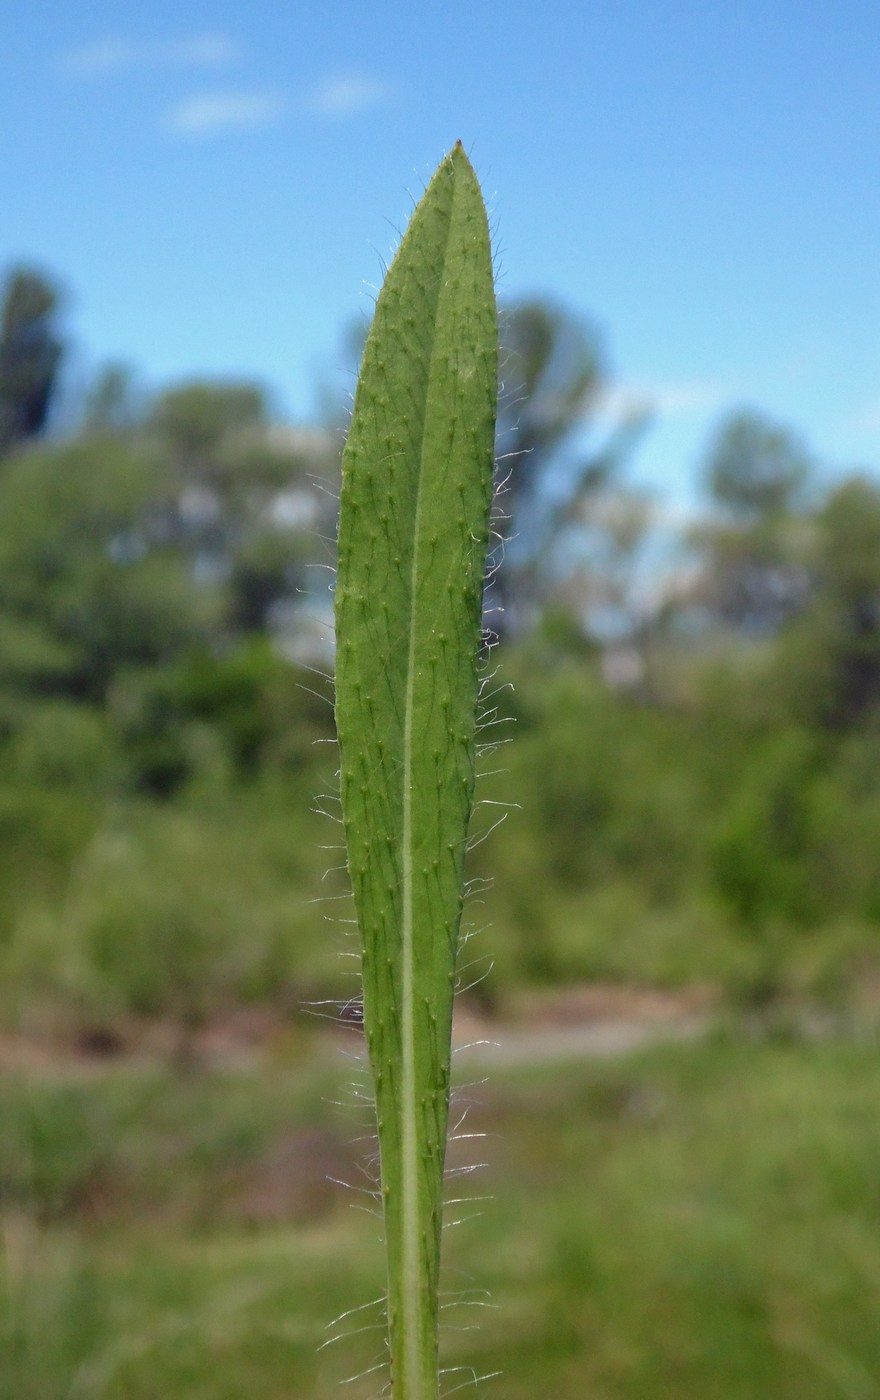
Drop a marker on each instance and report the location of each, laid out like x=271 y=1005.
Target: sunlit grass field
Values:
x=693 y=1220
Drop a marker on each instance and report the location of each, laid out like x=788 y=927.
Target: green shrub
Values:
x=177 y=914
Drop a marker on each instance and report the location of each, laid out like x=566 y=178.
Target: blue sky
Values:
x=216 y=185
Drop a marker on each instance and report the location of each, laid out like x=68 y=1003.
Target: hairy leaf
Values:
x=413 y=532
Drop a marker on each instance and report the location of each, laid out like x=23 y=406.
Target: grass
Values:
x=695 y=1220
x=703 y=1226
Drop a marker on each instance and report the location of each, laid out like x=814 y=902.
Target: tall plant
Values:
x=413 y=535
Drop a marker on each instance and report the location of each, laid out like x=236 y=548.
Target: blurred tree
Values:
x=830 y=659
x=552 y=378
x=552 y=372
x=196 y=419
x=30 y=353
x=756 y=550
x=598 y=565
x=756 y=469
x=113 y=404
x=90 y=587
x=247 y=509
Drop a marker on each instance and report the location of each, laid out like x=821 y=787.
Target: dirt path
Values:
x=522 y=1047
x=589 y=1021
x=586 y=1022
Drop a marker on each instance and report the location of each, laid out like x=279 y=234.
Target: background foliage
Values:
x=696 y=760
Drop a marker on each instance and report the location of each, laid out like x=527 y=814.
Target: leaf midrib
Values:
x=408 y=1130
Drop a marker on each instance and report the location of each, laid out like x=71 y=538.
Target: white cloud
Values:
x=95 y=59
x=112 y=55
x=208 y=50
x=347 y=94
x=205 y=113
x=670 y=399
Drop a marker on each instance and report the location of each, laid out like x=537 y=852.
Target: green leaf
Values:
x=413 y=534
